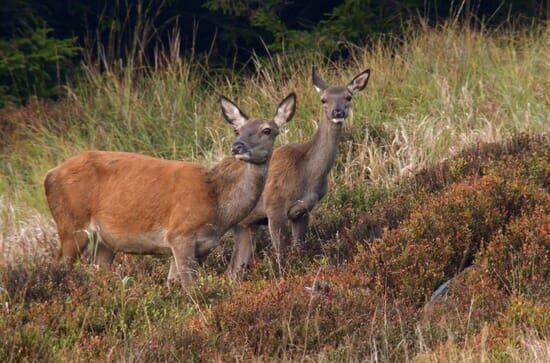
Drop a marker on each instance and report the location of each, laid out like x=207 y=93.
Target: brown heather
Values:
x=480 y=222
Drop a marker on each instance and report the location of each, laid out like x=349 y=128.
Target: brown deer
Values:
x=138 y=204
x=297 y=176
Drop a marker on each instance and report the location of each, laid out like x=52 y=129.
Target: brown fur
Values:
x=130 y=194
x=297 y=177
x=139 y=204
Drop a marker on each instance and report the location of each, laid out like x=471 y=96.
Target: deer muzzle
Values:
x=240 y=150
x=338 y=115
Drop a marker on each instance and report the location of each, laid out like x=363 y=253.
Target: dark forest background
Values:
x=43 y=42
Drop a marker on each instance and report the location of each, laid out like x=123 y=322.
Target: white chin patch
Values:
x=337 y=120
x=245 y=156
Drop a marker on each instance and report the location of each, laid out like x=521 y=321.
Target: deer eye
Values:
x=236 y=132
x=348 y=98
x=323 y=100
x=266 y=131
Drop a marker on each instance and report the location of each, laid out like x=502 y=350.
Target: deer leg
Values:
x=242 y=251
x=173 y=272
x=278 y=230
x=303 y=206
x=183 y=262
x=299 y=229
x=104 y=256
x=72 y=244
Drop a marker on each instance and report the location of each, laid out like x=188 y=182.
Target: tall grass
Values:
x=430 y=94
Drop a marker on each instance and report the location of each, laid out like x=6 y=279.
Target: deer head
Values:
x=336 y=99
x=255 y=137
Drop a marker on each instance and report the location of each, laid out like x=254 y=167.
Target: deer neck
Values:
x=238 y=186
x=323 y=149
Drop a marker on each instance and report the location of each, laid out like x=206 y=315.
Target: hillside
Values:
x=443 y=180
x=480 y=220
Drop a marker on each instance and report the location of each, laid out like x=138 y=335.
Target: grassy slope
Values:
x=480 y=219
x=383 y=244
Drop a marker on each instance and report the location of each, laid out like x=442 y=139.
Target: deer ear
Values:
x=285 y=110
x=359 y=82
x=318 y=82
x=232 y=113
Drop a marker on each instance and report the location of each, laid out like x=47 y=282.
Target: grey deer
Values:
x=297 y=176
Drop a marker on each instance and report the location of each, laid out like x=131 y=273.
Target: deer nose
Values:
x=338 y=113
x=238 y=148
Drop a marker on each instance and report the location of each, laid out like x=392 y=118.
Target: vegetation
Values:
x=481 y=220
x=39 y=38
x=443 y=176
x=32 y=61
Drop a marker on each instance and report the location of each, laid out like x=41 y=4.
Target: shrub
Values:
x=443 y=233
x=517 y=257
x=32 y=65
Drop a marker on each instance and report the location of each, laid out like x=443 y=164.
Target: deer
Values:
x=138 y=204
x=297 y=178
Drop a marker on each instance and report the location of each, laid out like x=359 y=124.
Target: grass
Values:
x=442 y=176
x=431 y=94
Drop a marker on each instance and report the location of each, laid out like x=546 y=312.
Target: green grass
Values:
x=429 y=95
x=384 y=238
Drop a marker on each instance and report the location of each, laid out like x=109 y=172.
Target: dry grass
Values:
x=527 y=349
x=25 y=235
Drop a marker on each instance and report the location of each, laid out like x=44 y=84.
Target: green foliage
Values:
x=354 y=20
x=33 y=65
x=33 y=62
x=349 y=22
x=40 y=38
